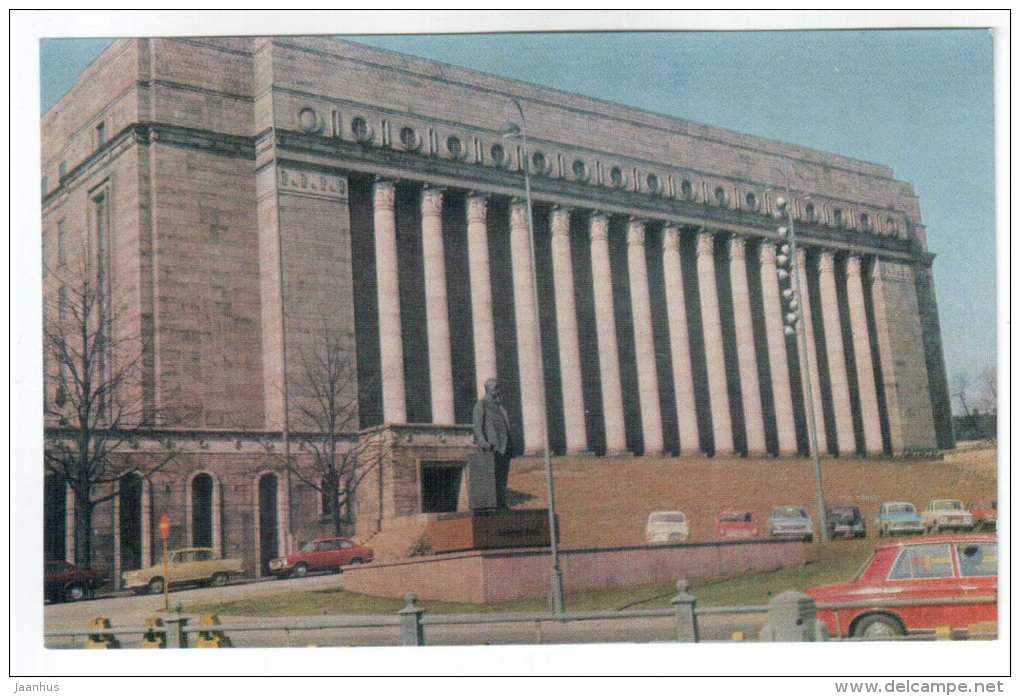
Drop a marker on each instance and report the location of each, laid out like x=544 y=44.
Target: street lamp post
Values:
x=510 y=130
x=794 y=323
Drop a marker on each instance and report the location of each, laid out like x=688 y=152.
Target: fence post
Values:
x=793 y=617
x=411 y=630
x=686 y=621
x=176 y=637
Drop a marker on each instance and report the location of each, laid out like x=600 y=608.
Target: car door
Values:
x=977 y=567
x=318 y=559
x=923 y=577
x=204 y=564
x=345 y=552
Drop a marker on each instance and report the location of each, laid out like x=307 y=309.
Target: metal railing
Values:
x=790 y=616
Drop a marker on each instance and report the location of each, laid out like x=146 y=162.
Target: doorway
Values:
x=202 y=511
x=440 y=486
x=130 y=513
x=268 y=521
x=55 y=511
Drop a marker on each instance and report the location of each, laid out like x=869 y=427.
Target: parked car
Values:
x=193 y=566
x=846 y=520
x=666 y=526
x=945 y=513
x=791 y=521
x=985 y=514
x=66 y=582
x=899 y=518
x=916 y=585
x=735 y=524
x=328 y=553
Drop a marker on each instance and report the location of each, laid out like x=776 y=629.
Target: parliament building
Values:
x=247 y=196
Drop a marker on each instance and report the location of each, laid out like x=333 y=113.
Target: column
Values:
x=391 y=347
x=890 y=385
x=481 y=290
x=644 y=339
x=779 y=366
x=862 y=357
x=679 y=343
x=605 y=326
x=528 y=356
x=840 y=385
x=754 y=419
x=811 y=358
x=566 y=326
x=437 y=317
x=711 y=324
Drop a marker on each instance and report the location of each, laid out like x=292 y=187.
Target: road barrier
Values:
x=790 y=617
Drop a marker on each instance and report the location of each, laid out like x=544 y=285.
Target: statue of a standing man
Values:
x=492 y=434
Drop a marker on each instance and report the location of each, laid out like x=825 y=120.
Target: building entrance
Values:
x=440 y=486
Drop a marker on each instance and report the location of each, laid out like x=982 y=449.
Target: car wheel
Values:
x=74 y=593
x=809 y=538
x=356 y=561
x=878 y=626
x=300 y=571
x=155 y=585
x=219 y=580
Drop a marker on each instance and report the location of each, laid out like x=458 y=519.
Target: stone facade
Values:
x=250 y=195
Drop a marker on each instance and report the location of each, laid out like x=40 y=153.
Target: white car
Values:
x=666 y=526
x=942 y=514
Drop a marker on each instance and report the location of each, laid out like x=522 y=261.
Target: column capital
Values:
x=767 y=253
x=559 y=223
x=384 y=194
x=518 y=212
x=477 y=206
x=670 y=238
x=738 y=247
x=635 y=232
x=825 y=262
x=432 y=200
x=598 y=227
x=706 y=243
x=853 y=265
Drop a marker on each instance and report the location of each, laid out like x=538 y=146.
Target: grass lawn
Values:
x=831 y=562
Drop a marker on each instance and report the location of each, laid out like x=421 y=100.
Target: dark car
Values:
x=329 y=554
x=846 y=520
x=66 y=582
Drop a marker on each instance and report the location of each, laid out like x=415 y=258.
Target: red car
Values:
x=890 y=596
x=735 y=524
x=327 y=553
x=66 y=582
x=985 y=514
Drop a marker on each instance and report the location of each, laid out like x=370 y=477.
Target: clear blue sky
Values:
x=918 y=101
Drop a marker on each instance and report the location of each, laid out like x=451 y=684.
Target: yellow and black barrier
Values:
x=155 y=634
x=211 y=638
x=98 y=639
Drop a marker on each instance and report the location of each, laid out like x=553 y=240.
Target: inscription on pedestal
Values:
x=312 y=183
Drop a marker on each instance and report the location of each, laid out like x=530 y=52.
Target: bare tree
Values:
x=989 y=389
x=96 y=408
x=325 y=402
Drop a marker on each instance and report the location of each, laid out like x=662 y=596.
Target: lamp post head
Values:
x=510 y=129
x=781 y=203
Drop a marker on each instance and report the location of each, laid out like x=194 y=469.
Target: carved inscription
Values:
x=312 y=183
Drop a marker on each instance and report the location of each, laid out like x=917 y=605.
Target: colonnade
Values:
x=681 y=360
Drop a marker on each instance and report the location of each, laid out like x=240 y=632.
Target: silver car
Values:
x=791 y=521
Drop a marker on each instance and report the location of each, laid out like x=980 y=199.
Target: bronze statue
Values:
x=492 y=435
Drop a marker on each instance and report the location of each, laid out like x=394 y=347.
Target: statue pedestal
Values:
x=489 y=529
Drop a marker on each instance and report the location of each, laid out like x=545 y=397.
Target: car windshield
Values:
x=735 y=517
x=668 y=517
x=947 y=505
x=901 y=509
x=843 y=514
x=789 y=512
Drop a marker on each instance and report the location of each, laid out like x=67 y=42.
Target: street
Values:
x=133 y=610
